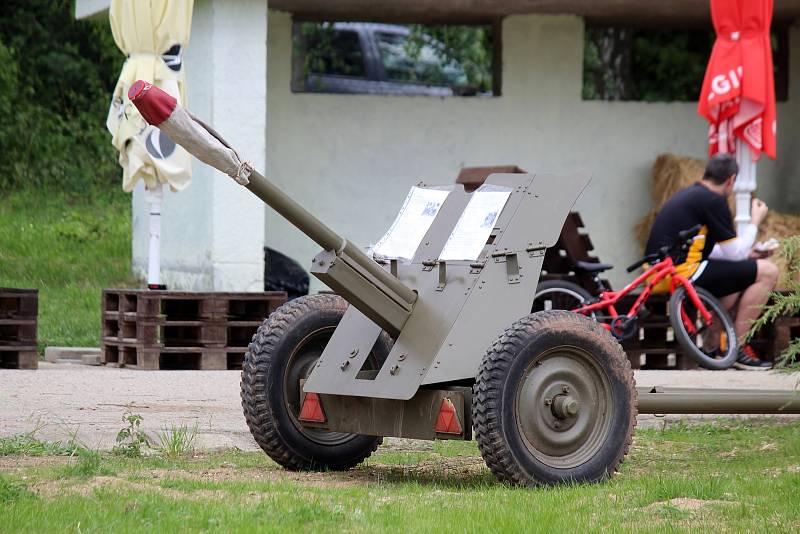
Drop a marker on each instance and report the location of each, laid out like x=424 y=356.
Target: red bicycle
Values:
x=699 y=322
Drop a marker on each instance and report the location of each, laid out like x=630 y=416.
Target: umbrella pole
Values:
x=745 y=183
x=154 y=198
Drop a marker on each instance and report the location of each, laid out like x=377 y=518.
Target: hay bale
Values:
x=779 y=226
x=672 y=173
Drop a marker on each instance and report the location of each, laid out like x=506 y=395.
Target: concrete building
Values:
x=351 y=158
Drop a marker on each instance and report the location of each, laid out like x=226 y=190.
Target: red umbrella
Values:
x=738 y=96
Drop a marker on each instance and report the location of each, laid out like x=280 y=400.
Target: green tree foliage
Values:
x=648 y=65
x=447 y=55
x=55 y=84
x=468 y=46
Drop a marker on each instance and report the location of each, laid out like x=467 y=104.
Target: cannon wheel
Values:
x=554 y=401
x=283 y=351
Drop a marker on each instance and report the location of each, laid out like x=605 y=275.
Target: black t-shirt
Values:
x=691 y=206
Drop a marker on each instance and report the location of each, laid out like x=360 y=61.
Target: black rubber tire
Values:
x=562 y=295
x=495 y=410
x=265 y=405
x=690 y=346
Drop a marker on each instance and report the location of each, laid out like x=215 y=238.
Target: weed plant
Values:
x=176 y=440
x=29 y=445
x=131 y=440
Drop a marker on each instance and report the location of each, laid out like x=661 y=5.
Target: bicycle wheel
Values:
x=559 y=295
x=712 y=345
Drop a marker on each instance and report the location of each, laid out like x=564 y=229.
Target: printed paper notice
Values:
x=412 y=223
x=475 y=224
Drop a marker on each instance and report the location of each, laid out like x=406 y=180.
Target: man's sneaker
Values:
x=748 y=360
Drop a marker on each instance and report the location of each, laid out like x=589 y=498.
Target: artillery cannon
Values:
x=437 y=339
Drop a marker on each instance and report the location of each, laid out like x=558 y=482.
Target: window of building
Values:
x=358 y=57
x=659 y=65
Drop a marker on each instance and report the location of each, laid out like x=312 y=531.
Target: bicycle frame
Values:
x=651 y=277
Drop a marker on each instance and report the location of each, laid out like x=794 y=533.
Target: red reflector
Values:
x=447 y=422
x=312 y=409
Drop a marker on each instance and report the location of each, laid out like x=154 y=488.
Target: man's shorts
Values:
x=722 y=277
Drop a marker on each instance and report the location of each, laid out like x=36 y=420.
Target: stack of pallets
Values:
x=654 y=346
x=19 y=309
x=573 y=245
x=181 y=330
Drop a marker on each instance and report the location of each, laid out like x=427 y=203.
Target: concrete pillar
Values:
x=213 y=232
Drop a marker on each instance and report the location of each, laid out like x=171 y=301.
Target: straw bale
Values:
x=672 y=173
x=779 y=226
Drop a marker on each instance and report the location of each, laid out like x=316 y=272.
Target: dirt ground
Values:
x=59 y=399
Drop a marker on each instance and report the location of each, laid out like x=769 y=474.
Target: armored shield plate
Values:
x=464 y=304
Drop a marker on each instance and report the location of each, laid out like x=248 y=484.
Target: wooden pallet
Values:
x=655 y=347
x=139 y=356
x=19 y=309
x=573 y=245
x=19 y=357
x=180 y=305
x=19 y=303
x=181 y=330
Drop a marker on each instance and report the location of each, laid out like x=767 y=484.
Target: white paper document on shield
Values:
x=412 y=223
x=475 y=224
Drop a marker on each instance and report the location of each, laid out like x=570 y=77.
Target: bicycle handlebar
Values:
x=683 y=242
x=646 y=259
x=687 y=236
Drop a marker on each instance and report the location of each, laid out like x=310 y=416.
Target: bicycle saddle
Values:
x=589 y=267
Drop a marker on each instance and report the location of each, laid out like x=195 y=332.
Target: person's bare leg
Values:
x=728 y=303
x=755 y=296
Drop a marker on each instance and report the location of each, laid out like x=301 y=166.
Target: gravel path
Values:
x=59 y=399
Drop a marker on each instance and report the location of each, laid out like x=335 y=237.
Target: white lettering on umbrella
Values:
x=722 y=84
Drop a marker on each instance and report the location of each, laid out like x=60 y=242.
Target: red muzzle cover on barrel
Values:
x=154 y=104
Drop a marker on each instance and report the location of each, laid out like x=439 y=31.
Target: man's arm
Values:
x=739 y=248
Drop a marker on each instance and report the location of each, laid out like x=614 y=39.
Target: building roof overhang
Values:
x=642 y=13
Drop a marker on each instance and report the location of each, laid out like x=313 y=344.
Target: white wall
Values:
x=351 y=158
x=213 y=231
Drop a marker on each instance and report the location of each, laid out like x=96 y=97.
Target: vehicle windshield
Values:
x=404 y=60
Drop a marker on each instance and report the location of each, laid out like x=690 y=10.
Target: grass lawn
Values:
x=69 y=249
x=722 y=477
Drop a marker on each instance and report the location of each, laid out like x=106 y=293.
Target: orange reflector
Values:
x=312 y=409
x=447 y=422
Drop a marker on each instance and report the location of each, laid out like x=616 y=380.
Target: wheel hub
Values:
x=564 y=407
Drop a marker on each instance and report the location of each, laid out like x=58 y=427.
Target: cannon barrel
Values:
x=661 y=400
x=342 y=265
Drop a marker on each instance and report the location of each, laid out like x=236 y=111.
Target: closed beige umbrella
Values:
x=153 y=35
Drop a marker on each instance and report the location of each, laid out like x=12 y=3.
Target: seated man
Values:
x=719 y=260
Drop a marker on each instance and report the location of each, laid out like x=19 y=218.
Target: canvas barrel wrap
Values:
x=161 y=110
x=153 y=35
